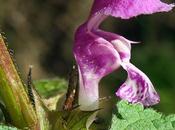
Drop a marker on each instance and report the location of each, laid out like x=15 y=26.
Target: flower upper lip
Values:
x=126 y=9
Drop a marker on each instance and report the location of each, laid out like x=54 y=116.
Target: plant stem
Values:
x=13 y=93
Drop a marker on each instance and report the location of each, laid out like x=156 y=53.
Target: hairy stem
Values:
x=13 y=93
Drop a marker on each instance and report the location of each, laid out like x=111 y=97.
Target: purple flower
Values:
x=98 y=53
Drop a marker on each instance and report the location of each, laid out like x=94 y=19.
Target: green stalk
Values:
x=13 y=93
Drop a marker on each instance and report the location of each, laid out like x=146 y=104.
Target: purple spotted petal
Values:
x=137 y=87
x=129 y=8
x=96 y=57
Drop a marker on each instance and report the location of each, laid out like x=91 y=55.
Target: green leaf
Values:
x=52 y=87
x=135 y=117
x=4 y=127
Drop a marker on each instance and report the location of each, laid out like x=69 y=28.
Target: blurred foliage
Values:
x=3 y=127
x=52 y=87
x=41 y=33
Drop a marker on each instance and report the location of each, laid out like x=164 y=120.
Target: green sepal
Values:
x=42 y=112
x=72 y=120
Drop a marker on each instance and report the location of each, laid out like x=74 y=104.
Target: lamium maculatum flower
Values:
x=98 y=53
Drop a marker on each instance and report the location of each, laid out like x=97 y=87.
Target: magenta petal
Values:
x=96 y=57
x=129 y=8
x=121 y=44
x=137 y=87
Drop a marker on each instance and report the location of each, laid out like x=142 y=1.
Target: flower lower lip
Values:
x=138 y=87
